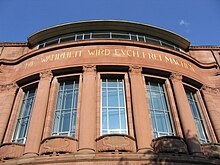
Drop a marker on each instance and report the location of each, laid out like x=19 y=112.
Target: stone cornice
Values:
x=13 y=44
x=98 y=42
x=204 y=47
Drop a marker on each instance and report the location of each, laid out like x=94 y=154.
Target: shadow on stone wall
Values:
x=175 y=150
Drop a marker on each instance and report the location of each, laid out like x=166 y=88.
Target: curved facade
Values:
x=109 y=92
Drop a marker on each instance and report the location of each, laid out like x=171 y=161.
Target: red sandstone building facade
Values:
x=109 y=92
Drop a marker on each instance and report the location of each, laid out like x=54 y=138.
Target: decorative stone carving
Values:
x=58 y=144
x=1 y=68
x=11 y=150
x=210 y=90
x=89 y=68
x=211 y=150
x=135 y=69
x=169 y=144
x=46 y=74
x=9 y=87
x=115 y=142
x=176 y=77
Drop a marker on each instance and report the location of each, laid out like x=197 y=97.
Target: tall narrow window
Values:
x=23 y=120
x=113 y=106
x=160 y=114
x=199 y=120
x=66 y=108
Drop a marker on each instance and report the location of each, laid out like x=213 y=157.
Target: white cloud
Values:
x=183 y=23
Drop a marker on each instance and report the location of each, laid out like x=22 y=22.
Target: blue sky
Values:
x=196 y=20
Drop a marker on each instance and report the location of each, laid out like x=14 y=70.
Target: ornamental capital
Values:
x=135 y=69
x=210 y=90
x=176 y=76
x=12 y=87
x=89 y=68
x=47 y=74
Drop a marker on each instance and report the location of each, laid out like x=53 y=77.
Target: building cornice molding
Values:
x=13 y=44
x=204 y=47
x=103 y=25
x=99 y=42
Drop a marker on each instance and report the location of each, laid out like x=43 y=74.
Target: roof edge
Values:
x=122 y=25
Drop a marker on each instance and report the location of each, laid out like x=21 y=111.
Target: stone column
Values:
x=36 y=126
x=209 y=95
x=51 y=108
x=141 y=111
x=87 y=123
x=186 y=117
x=7 y=98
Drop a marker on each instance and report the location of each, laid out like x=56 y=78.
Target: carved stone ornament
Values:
x=176 y=77
x=211 y=150
x=115 y=142
x=89 y=68
x=11 y=150
x=1 y=68
x=135 y=69
x=210 y=90
x=169 y=144
x=9 y=87
x=58 y=144
x=46 y=74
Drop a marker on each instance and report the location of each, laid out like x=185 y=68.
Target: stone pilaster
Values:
x=141 y=111
x=13 y=117
x=185 y=114
x=37 y=120
x=51 y=108
x=213 y=111
x=87 y=123
x=7 y=98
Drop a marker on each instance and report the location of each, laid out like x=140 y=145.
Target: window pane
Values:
x=157 y=102
x=112 y=97
x=112 y=82
x=160 y=118
x=114 y=120
x=199 y=120
x=23 y=120
x=121 y=97
x=65 y=113
x=160 y=114
x=104 y=98
x=123 y=119
x=113 y=107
